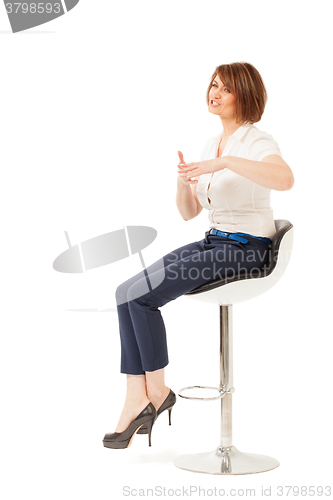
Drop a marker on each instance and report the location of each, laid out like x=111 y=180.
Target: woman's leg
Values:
x=136 y=400
x=149 y=330
x=141 y=390
x=157 y=391
x=216 y=260
x=142 y=387
x=130 y=353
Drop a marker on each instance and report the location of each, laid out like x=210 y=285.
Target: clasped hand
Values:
x=189 y=170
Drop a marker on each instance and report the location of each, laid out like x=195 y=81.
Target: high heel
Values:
x=119 y=440
x=170 y=415
x=149 y=426
x=166 y=405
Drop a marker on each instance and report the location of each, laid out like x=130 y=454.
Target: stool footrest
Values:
x=221 y=390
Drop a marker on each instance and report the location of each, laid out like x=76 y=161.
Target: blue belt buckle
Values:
x=219 y=233
x=230 y=236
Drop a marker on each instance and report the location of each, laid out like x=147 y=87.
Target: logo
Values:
x=25 y=15
x=109 y=248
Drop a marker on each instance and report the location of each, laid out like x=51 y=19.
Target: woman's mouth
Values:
x=214 y=103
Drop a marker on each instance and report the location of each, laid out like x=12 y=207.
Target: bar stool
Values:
x=227 y=459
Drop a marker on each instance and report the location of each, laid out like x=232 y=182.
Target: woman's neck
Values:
x=229 y=127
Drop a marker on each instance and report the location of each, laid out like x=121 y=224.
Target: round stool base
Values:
x=226 y=461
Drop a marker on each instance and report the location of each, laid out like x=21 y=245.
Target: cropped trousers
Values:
x=142 y=331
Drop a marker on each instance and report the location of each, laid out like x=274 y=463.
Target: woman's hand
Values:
x=184 y=180
x=188 y=170
x=186 y=199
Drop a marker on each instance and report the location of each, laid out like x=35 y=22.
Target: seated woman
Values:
x=233 y=182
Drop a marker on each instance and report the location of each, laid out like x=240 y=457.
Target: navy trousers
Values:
x=142 y=331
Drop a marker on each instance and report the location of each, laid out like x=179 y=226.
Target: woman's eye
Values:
x=214 y=85
x=226 y=90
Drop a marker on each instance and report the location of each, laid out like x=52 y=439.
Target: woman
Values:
x=233 y=182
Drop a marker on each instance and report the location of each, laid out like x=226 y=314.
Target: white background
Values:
x=94 y=106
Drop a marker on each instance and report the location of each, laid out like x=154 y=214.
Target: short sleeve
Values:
x=263 y=146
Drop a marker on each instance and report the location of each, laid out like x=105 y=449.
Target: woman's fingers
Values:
x=189 y=181
x=181 y=157
x=189 y=174
x=187 y=167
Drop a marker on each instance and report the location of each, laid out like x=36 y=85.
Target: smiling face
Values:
x=221 y=101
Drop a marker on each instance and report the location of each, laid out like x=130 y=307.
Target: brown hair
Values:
x=244 y=81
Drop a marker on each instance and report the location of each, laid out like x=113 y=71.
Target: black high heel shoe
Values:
x=166 y=405
x=124 y=439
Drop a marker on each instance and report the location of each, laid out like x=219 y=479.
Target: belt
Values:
x=237 y=237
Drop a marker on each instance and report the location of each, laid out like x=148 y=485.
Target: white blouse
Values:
x=235 y=203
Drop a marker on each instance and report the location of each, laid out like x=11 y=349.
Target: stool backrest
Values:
x=246 y=286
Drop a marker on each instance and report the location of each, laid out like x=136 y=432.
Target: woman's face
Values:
x=221 y=101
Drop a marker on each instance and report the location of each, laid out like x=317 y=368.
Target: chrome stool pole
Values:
x=226 y=459
x=226 y=374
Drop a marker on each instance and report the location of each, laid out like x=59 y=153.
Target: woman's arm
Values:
x=271 y=172
x=186 y=198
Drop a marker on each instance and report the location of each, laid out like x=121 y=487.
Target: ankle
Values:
x=158 y=393
x=134 y=401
